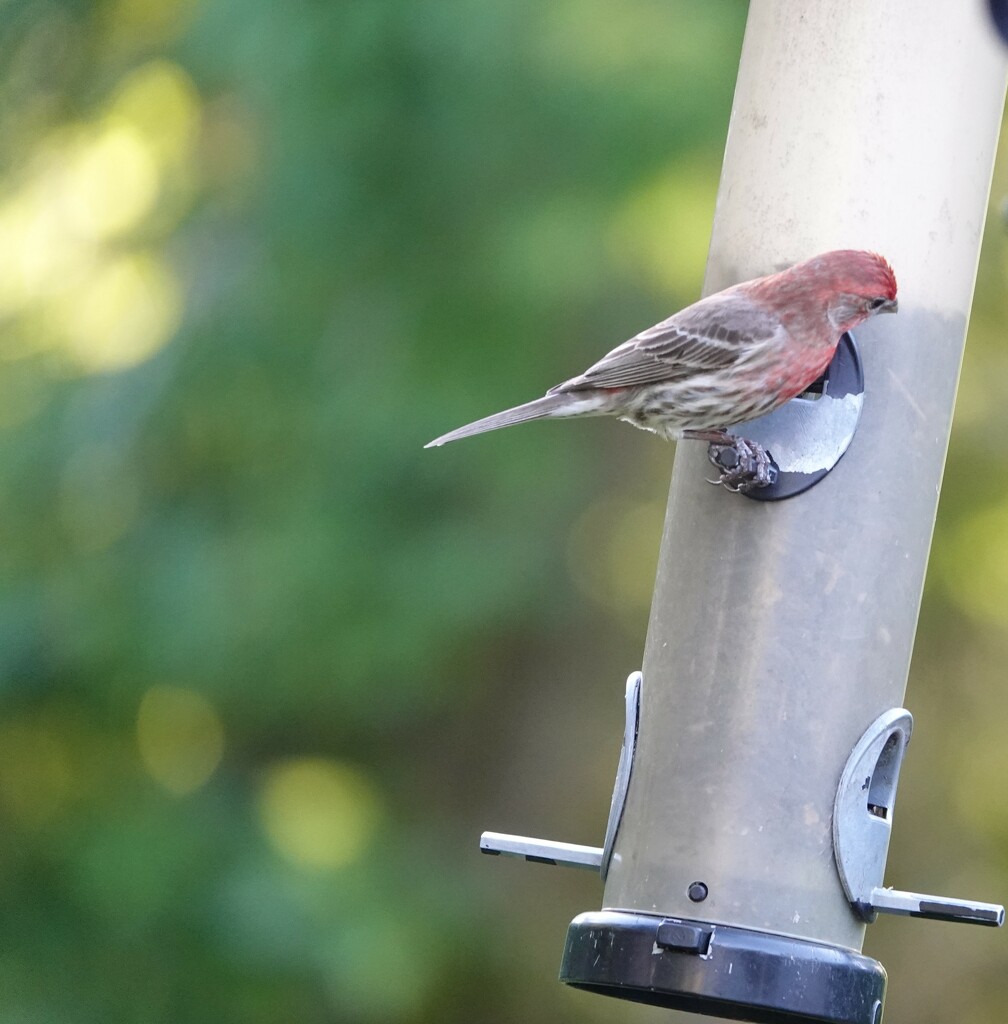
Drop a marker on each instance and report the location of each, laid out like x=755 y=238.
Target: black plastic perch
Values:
x=805 y=438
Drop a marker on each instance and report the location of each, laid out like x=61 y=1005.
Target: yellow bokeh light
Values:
x=123 y=313
x=180 y=736
x=39 y=257
x=160 y=101
x=66 y=266
x=113 y=182
x=662 y=231
x=317 y=812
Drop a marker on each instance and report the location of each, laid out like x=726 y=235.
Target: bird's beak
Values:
x=892 y=306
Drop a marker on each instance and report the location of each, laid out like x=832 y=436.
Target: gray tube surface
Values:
x=779 y=631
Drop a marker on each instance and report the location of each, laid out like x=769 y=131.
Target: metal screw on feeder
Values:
x=697 y=892
x=783 y=708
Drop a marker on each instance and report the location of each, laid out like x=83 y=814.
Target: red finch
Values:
x=726 y=359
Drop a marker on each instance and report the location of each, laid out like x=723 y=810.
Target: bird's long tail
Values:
x=549 y=405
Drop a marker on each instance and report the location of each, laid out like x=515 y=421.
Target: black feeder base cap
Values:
x=721 y=971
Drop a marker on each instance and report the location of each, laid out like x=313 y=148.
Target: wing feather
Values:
x=716 y=333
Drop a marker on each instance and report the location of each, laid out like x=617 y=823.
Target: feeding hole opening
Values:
x=882 y=783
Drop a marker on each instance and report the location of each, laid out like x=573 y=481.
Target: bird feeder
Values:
x=746 y=844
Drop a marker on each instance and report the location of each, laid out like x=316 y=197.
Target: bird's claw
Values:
x=743 y=465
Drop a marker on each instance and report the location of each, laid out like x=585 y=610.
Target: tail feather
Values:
x=549 y=405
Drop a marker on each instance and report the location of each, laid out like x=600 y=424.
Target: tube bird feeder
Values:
x=754 y=801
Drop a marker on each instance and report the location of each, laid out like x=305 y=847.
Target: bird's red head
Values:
x=851 y=284
x=861 y=273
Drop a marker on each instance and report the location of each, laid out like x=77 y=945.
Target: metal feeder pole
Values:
x=781 y=631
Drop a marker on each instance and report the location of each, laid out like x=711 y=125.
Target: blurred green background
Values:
x=268 y=668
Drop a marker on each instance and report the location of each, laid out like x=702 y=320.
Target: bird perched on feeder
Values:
x=728 y=358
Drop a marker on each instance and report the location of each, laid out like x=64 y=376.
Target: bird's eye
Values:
x=876 y=303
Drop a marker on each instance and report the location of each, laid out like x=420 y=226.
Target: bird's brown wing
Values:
x=716 y=333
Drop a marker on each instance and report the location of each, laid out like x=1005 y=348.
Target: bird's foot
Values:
x=743 y=465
